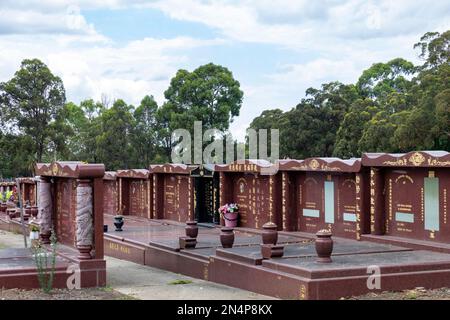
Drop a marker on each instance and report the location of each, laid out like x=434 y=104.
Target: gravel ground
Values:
x=414 y=294
x=64 y=294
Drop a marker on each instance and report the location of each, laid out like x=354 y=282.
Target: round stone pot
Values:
x=191 y=229
x=227 y=237
x=34 y=211
x=270 y=233
x=11 y=213
x=324 y=246
x=45 y=237
x=118 y=222
x=27 y=210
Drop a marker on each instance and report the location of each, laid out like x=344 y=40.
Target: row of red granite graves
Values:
x=400 y=195
x=378 y=209
x=61 y=199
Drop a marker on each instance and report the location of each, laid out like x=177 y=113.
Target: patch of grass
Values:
x=411 y=295
x=179 y=281
x=106 y=288
x=126 y=297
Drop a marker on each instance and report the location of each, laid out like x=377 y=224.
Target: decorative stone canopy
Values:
x=67 y=169
x=204 y=170
x=7 y=183
x=110 y=175
x=27 y=180
x=176 y=168
x=133 y=173
x=321 y=164
x=439 y=159
x=250 y=165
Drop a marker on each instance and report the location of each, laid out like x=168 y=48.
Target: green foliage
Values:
x=181 y=281
x=393 y=107
x=45 y=263
x=144 y=133
x=114 y=143
x=31 y=101
x=209 y=94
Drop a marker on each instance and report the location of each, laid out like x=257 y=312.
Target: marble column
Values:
x=45 y=210
x=84 y=219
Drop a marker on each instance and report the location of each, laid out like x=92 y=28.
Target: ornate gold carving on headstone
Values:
x=314 y=164
x=417 y=159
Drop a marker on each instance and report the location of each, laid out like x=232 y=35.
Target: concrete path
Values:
x=11 y=240
x=146 y=283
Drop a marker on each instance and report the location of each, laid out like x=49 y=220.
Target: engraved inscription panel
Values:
x=65 y=211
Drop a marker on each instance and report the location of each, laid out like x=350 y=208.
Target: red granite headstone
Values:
x=71 y=202
x=325 y=193
x=173 y=192
x=135 y=193
x=28 y=190
x=256 y=193
x=110 y=193
x=410 y=194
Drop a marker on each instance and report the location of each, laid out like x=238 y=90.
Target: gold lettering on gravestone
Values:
x=445 y=206
x=422 y=205
x=120 y=248
x=390 y=202
x=302 y=292
x=310 y=205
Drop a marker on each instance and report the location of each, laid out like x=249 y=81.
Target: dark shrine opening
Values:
x=206 y=195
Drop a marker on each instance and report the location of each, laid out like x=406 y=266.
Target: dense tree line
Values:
x=393 y=107
x=37 y=125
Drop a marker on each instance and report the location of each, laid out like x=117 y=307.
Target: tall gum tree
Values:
x=31 y=101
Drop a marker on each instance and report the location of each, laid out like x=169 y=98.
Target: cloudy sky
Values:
x=276 y=49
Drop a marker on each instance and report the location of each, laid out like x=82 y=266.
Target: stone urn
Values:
x=191 y=229
x=27 y=210
x=118 y=222
x=84 y=251
x=227 y=237
x=45 y=237
x=324 y=246
x=11 y=213
x=270 y=233
x=34 y=211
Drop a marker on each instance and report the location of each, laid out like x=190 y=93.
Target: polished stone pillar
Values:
x=84 y=219
x=45 y=209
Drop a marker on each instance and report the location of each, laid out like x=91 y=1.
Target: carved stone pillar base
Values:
x=187 y=243
x=85 y=252
x=269 y=251
x=45 y=238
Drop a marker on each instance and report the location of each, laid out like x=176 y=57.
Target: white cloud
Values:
x=326 y=40
x=129 y=72
x=296 y=23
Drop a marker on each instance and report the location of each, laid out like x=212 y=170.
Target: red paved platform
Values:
x=18 y=270
x=296 y=275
